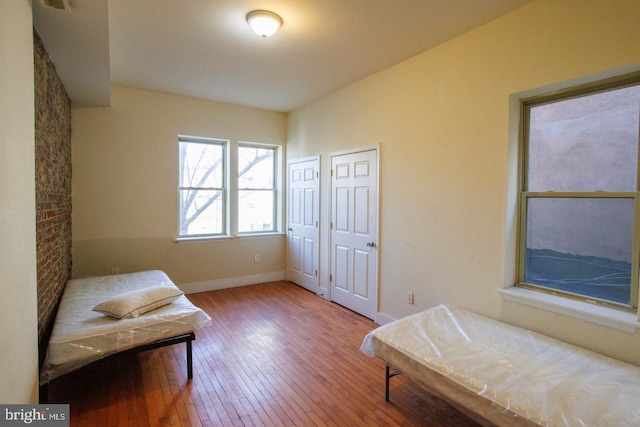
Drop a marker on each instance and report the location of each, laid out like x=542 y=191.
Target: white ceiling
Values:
x=205 y=48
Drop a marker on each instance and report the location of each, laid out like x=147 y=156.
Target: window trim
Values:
x=545 y=295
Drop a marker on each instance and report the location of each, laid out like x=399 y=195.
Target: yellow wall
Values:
x=125 y=161
x=445 y=122
x=18 y=282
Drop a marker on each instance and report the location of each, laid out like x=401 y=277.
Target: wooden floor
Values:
x=275 y=354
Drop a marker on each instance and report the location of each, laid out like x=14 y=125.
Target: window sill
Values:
x=202 y=239
x=259 y=235
x=605 y=316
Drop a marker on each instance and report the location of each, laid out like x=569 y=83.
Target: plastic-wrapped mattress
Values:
x=81 y=336
x=508 y=375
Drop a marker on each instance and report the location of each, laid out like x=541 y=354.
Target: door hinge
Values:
x=331 y=172
x=330 y=226
x=316 y=272
x=316 y=224
x=317 y=174
x=331 y=277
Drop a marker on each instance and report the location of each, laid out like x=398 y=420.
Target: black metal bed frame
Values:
x=389 y=375
x=184 y=338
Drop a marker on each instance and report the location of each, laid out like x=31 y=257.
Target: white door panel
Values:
x=302 y=232
x=342 y=210
x=361 y=220
x=361 y=272
x=354 y=261
x=341 y=278
x=309 y=255
x=296 y=248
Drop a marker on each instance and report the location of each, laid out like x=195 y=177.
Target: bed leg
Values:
x=386 y=385
x=190 y=357
x=43 y=393
x=388 y=376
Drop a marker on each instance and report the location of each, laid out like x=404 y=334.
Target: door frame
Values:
x=318 y=200
x=333 y=154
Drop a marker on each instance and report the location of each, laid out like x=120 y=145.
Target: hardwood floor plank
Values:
x=275 y=355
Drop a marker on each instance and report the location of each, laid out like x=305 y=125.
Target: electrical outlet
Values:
x=410 y=297
x=115 y=270
x=256 y=258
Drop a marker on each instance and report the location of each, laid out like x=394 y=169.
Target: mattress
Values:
x=81 y=336
x=506 y=374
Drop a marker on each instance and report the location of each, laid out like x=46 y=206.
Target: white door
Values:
x=354 y=231
x=303 y=215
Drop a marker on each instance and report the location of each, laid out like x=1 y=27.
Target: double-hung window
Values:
x=226 y=188
x=256 y=188
x=579 y=234
x=202 y=189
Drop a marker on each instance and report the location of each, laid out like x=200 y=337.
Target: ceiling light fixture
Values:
x=263 y=22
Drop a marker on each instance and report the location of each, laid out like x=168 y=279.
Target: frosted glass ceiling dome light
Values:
x=263 y=22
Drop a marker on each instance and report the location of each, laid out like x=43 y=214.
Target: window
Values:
x=256 y=188
x=227 y=188
x=579 y=199
x=202 y=205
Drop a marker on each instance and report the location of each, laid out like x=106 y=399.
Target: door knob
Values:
x=289 y=229
x=371 y=244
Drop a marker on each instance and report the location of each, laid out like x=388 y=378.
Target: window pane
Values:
x=255 y=211
x=588 y=143
x=255 y=167
x=581 y=245
x=201 y=165
x=201 y=212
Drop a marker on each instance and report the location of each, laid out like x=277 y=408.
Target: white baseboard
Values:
x=383 y=319
x=232 y=282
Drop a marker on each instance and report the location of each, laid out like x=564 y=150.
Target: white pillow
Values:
x=135 y=303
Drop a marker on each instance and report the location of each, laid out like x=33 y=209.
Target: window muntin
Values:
x=256 y=188
x=579 y=210
x=202 y=201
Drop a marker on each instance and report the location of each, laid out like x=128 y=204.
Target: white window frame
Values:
x=274 y=189
x=231 y=191
x=224 y=189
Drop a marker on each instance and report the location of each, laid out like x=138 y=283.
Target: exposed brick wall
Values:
x=53 y=187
